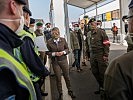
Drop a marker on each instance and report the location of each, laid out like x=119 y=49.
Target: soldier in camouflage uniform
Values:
x=99 y=50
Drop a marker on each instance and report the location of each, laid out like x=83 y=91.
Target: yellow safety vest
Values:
x=22 y=76
x=18 y=55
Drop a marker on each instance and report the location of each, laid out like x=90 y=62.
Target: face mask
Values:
x=21 y=26
x=98 y=26
x=48 y=29
x=31 y=29
x=128 y=38
x=76 y=28
x=41 y=29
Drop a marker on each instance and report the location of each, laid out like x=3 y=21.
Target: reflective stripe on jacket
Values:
x=21 y=74
x=18 y=55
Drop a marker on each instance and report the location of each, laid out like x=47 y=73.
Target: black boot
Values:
x=43 y=93
x=71 y=94
x=60 y=96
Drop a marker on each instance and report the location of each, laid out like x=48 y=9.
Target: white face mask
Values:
x=32 y=29
x=128 y=38
x=42 y=29
x=98 y=26
x=21 y=26
x=48 y=29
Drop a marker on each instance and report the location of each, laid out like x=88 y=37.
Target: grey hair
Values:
x=55 y=29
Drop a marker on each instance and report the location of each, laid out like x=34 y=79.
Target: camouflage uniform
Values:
x=99 y=47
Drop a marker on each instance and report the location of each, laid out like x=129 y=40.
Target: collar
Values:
x=94 y=31
x=9 y=37
x=26 y=28
x=57 y=40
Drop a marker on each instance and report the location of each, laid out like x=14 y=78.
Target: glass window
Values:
x=115 y=14
x=99 y=17
x=108 y=16
x=104 y=17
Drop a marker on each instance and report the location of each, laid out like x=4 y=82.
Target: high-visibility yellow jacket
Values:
x=21 y=74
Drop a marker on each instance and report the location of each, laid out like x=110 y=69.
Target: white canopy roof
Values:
x=83 y=3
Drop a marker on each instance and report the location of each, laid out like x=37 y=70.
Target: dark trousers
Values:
x=37 y=90
x=115 y=37
x=77 y=56
x=98 y=67
x=57 y=67
x=41 y=82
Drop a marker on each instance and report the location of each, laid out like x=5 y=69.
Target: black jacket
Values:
x=47 y=34
x=30 y=58
x=8 y=85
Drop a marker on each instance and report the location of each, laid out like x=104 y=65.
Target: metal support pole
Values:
x=67 y=29
x=84 y=12
x=120 y=16
x=96 y=11
x=51 y=14
x=67 y=22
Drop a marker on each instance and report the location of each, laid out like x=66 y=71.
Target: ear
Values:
x=27 y=16
x=12 y=7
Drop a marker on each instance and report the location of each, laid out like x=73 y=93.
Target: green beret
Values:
x=39 y=24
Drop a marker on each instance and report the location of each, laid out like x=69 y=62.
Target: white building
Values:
x=109 y=12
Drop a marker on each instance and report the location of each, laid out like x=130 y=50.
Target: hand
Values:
x=105 y=58
x=59 y=53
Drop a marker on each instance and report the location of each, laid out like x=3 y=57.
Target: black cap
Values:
x=21 y=1
x=47 y=24
x=86 y=16
x=26 y=9
x=92 y=20
x=32 y=21
x=99 y=21
x=124 y=17
x=131 y=4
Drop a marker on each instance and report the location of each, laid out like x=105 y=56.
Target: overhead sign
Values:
x=108 y=16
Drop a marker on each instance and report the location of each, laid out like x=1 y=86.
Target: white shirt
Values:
x=56 y=41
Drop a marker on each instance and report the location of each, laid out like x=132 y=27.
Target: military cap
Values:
x=99 y=21
x=47 y=24
x=92 y=20
x=76 y=25
x=131 y=4
x=39 y=24
x=124 y=17
x=26 y=9
x=21 y=1
x=32 y=20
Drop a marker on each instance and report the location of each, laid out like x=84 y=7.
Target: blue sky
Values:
x=40 y=9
